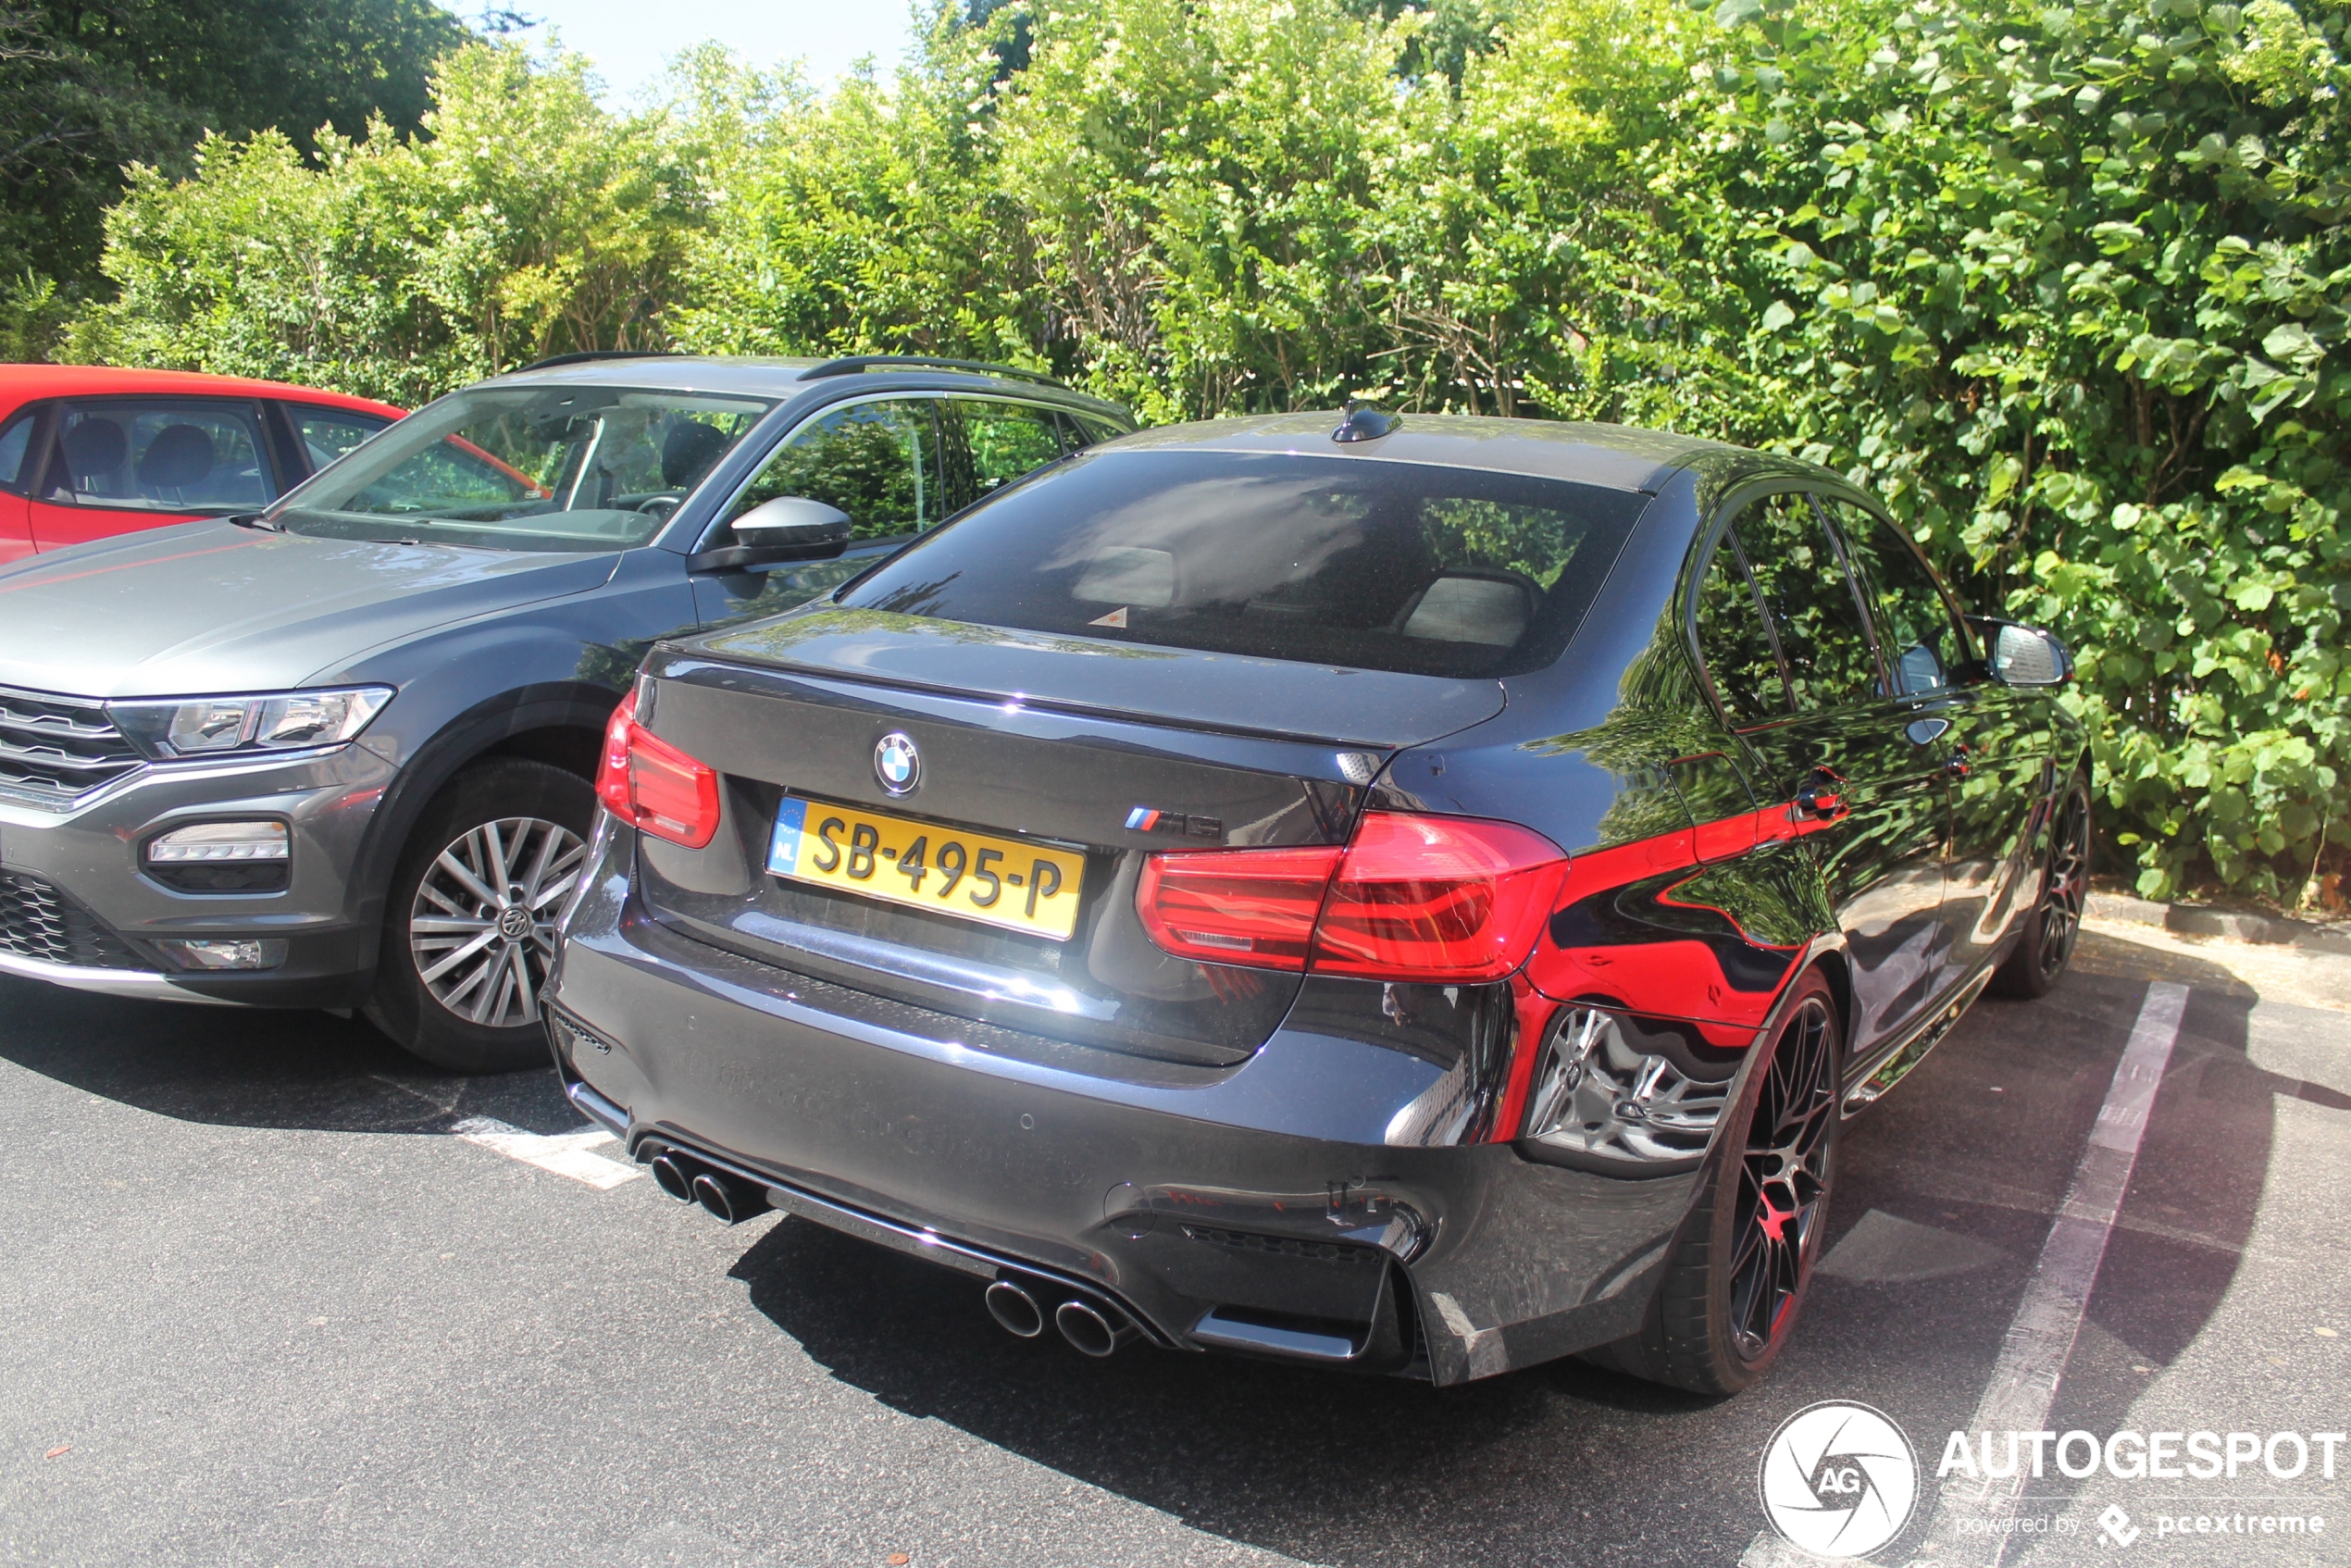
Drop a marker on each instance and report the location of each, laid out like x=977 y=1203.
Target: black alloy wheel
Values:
x=2046 y=944
x=469 y=928
x=1736 y=1277
x=1784 y=1180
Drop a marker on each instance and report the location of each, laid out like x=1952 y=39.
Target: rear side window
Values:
x=15 y=440
x=1732 y=638
x=1081 y=430
x=176 y=454
x=1811 y=600
x=1363 y=563
x=1004 y=441
x=327 y=433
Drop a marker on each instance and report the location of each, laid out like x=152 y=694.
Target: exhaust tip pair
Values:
x=723 y=1195
x=1092 y=1329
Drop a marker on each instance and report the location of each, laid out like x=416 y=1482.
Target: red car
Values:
x=87 y=451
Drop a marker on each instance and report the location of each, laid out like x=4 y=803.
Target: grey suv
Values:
x=339 y=753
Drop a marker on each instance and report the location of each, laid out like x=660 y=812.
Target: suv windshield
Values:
x=552 y=467
x=1364 y=563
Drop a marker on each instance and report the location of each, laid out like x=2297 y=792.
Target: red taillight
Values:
x=649 y=784
x=1254 y=907
x=1435 y=899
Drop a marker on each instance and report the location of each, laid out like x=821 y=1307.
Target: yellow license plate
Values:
x=1008 y=882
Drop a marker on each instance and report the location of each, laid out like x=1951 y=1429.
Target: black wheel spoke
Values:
x=1783 y=1179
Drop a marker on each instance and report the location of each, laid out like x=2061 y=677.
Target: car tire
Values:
x=1734 y=1282
x=460 y=971
x=2044 y=947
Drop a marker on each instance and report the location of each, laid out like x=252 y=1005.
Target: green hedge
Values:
x=2063 y=284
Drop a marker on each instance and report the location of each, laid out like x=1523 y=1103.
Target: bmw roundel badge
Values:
x=897 y=764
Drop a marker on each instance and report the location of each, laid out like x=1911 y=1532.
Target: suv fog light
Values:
x=220 y=840
x=227 y=952
x=1596 y=1092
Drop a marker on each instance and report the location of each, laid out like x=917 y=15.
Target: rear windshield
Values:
x=1361 y=563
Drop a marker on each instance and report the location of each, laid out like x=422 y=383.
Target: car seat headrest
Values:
x=179 y=455
x=688 y=452
x=95 y=446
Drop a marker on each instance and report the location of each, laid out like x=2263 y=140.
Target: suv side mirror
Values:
x=2026 y=655
x=789 y=528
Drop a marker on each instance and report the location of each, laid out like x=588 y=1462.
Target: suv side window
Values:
x=877 y=461
x=1811 y=600
x=1920 y=639
x=162 y=454
x=1005 y=441
x=1734 y=644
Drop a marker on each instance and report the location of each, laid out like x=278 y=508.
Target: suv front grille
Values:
x=58 y=747
x=39 y=921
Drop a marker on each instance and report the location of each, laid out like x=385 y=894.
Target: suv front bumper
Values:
x=78 y=910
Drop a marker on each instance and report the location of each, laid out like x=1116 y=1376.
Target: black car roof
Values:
x=1616 y=456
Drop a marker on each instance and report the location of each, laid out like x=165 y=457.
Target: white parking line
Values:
x=566 y=1154
x=2040 y=1339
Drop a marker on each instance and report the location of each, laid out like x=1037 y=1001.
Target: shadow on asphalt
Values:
x=1976 y=1148
x=256 y=1068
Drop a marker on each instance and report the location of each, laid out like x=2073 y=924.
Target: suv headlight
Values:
x=204 y=727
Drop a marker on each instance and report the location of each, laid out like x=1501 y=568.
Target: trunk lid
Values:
x=1103 y=750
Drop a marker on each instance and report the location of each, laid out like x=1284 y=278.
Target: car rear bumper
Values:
x=1255 y=1207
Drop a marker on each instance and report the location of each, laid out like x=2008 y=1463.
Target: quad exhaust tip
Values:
x=1014 y=1309
x=723 y=1194
x=1091 y=1330
x=674 y=1176
x=728 y=1197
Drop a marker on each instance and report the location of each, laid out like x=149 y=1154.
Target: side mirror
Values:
x=789 y=528
x=2025 y=655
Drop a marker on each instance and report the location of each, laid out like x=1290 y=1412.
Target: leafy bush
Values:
x=2061 y=283
x=527 y=221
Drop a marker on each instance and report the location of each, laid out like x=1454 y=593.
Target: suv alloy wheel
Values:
x=469 y=928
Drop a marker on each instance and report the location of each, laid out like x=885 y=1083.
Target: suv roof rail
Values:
x=588 y=355
x=855 y=363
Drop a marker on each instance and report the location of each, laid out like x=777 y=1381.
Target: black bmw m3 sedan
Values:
x=1419 y=896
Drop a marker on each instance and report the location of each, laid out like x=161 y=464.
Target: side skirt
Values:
x=1892 y=1064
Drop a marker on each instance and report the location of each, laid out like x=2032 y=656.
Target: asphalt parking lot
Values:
x=270 y=1293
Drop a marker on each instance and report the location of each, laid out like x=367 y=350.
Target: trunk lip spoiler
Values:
x=672 y=662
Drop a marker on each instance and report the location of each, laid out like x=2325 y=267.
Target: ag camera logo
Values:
x=1838 y=1479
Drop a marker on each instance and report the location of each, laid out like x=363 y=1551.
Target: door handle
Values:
x=1956 y=764
x=1822 y=796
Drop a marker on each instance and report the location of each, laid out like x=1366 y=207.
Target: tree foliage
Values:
x=2064 y=283
x=90 y=86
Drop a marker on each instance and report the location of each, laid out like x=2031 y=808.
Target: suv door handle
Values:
x=1956 y=764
